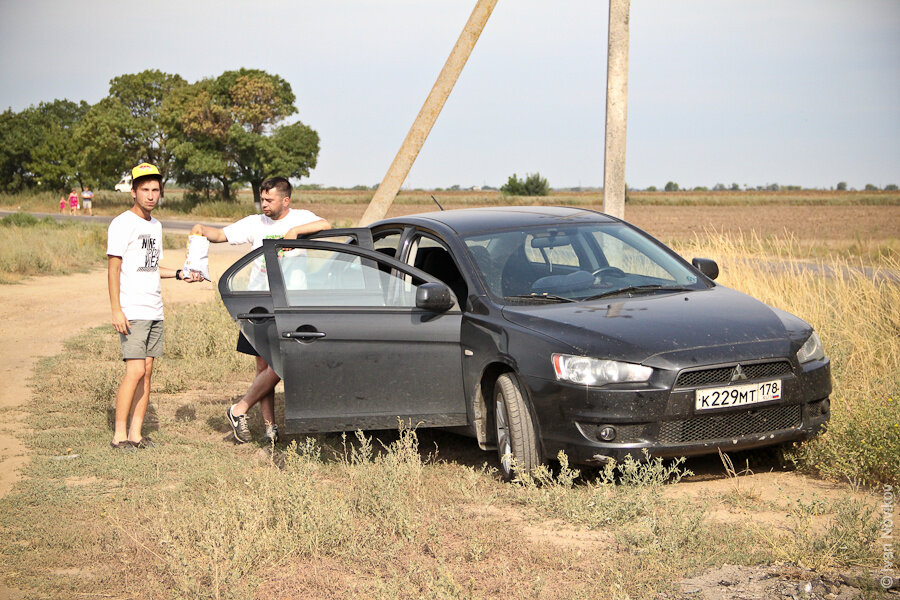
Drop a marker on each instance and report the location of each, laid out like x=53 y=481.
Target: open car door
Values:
x=353 y=333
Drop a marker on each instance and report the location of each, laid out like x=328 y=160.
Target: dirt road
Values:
x=41 y=313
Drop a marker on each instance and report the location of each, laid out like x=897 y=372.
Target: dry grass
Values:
x=332 y=517
x=31 y=246
x=856 y=315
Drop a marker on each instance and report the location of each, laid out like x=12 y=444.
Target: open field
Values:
x=423 y=514
x=852 y=225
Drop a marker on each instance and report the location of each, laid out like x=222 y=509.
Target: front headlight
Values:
x=811 y=350
x=593 y=371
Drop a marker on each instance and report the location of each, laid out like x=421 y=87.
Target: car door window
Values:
x=326 y=277
x=434 y=258
x=251 y=277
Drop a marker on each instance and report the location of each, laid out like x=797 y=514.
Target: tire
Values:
x=517 y=443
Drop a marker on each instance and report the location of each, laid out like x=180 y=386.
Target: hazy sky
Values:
x=805 y=92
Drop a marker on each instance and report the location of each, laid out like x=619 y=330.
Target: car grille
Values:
x=722 y=375
x=731 y=425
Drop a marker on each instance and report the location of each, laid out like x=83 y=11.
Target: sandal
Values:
x=145 y=442
x=123 y=446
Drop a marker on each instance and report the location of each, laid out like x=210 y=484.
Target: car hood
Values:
x=667 y=330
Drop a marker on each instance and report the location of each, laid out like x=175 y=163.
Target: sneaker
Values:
x=271 y=436
x=239 y=426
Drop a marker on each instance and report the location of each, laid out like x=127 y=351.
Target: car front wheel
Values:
x=517 y=444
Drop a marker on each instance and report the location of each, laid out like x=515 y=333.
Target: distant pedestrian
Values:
x=87 y=200
x=134 y=249
x=73 y=202
x=62 y=204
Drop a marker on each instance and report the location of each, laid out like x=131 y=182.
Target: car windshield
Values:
x=576 y=262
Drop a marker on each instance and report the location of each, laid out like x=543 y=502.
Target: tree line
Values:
x=220 y=132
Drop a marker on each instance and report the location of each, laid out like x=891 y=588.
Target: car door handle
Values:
x=251 y=316
x=302 y=335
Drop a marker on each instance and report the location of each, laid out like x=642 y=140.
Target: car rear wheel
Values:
x=517 y=444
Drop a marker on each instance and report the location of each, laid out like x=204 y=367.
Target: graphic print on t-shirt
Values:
x=151 y=256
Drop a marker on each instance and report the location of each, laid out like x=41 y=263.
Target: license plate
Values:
x=737 y=395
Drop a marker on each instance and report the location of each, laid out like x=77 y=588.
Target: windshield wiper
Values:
x=539 y=297
x=652 y=287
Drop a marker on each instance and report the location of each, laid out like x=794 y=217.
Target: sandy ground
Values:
x=39 y=314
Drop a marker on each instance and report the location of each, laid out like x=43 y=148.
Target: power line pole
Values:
x=421 y=127
x=616 y=109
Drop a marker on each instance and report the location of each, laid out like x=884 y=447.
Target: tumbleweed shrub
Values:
x=854 y=309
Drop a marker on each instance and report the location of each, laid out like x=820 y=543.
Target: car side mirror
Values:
x=706 y=266
x=434 y=297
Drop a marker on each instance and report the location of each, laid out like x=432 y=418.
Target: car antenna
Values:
x=436 y=202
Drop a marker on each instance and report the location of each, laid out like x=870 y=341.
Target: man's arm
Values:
x=114 y=270
x=213 y=234
x=295 y=232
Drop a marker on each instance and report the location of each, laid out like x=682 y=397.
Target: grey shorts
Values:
x=145 y=340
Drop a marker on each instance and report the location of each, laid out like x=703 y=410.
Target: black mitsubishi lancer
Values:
x=531 y=329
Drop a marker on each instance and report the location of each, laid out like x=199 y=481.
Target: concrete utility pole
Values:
x=421 y=127
x=616 y=109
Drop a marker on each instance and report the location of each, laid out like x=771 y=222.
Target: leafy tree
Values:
x=231 y=129
x=871 y=188
x=38 y=148
x=100 y=137
x=671 y=186
x=57 y=161
x=18 y=135
x=532 y=185
x=652 y=188
x=891 y=187
x=127 y=127
x=735 y=187
x=842 y=185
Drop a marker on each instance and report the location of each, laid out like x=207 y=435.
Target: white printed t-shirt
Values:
x=139 y=243
x=256 y=228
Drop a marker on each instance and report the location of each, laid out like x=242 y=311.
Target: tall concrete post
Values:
x=421 y=127
x=616 y=109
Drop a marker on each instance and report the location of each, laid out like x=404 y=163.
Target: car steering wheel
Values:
x=603 y=272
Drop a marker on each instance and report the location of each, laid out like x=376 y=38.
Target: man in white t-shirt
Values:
x=134 y=249
x=278 y=220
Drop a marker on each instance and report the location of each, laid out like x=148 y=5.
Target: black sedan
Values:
x=533 y=330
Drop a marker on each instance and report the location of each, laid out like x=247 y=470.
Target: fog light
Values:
x=607 y=433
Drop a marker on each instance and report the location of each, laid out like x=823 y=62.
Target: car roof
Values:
x=468 y=221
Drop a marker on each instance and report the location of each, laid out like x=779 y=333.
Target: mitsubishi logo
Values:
x=738 y=374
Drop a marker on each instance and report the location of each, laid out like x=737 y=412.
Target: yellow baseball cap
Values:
x=144 y=169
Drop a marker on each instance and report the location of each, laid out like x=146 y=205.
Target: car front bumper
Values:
x=664 y=422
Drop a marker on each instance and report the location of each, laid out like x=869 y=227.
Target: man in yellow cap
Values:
x=134 y=249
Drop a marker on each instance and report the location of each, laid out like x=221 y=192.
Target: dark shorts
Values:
x=243 y=345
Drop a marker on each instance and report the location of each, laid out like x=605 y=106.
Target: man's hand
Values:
x=213 y=234
x=191 y=276
x=303 y=230
x=120 y=323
